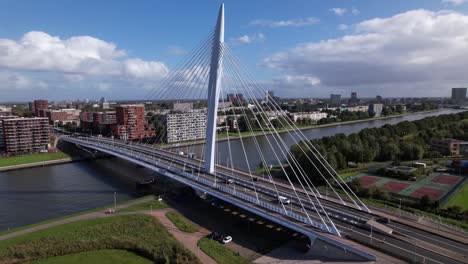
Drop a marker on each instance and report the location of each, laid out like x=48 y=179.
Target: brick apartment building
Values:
x=98 y=122
x=2 y=138
x=25 y=135
x=450 y=146
x=131 y=123
x=38 y=105
x=61 y=116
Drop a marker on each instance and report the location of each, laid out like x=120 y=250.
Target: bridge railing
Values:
x=150 y=159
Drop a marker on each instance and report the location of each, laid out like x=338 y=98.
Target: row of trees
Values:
x=401 y=142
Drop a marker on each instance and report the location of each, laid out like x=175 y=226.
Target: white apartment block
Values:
x=315 y=116
x=185 y=126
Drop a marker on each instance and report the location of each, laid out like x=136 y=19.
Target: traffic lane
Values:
x=434 y=239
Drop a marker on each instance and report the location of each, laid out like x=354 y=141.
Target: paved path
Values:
x=189 y=240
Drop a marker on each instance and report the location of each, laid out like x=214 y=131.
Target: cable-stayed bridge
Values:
x=210 y=72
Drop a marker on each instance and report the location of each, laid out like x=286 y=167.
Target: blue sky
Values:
x=271 y=38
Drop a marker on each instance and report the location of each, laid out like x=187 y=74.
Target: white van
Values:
x=283 y=200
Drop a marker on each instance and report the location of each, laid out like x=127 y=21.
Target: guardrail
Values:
x=248 y=198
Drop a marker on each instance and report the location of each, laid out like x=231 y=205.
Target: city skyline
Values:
x=297 y=50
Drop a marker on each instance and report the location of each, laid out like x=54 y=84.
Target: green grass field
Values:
x=68 y=216
x=32 y=158
x=109 y=256
x=145 y=206
x=141 y=234
x=181 y=223
x=461 y=198
x=220 y=253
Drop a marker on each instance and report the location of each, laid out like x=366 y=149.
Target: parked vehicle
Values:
x=226 y=239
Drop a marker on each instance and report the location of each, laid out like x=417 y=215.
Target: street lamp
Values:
x=399 y=208
x=115 y=200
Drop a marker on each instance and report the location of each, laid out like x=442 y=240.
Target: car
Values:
x=283 y=200
x=228 y=181
x=383 y=220
x=226 y=239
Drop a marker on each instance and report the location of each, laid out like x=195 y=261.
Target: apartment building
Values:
x=2 y=138
x=314 y=116
x=185 y=126
x=38 y=105
x=450 y=146
x=98 y=122
x=62 y=116
x=131 y=122
x=26 y=135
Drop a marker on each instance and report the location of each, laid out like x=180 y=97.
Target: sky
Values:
x=298 y=48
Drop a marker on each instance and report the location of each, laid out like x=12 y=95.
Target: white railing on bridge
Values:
x=150 y=159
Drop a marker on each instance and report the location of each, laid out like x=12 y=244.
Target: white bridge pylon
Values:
x=214 y=84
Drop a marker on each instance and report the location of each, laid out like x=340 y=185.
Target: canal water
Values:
x=31 y=195
x=269 y=148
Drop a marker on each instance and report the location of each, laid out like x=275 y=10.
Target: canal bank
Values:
x=223 y=137
x=243 y=153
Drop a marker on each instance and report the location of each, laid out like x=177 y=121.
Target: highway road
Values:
x=406 y=241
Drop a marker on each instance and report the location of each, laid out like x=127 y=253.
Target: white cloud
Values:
x=418 y=48
x=137 y=68
x=293 y=85
x=176 y=51
x=39 y=51
x=297 y=22
x=355 y=11
x=343 y=27
x=13 y=80
x=246 y=39
x=454 y=2
x=338 y=11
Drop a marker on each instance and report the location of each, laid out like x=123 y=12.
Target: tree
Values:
x=389 y=152
x=424 y=202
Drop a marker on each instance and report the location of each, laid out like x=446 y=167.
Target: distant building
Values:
x=98 y=122
x=224 y=105
x=5 y=111
x=236 y=99
x=376 y=109
x=104 y=104
x=359 y=108
x=354 y=98
x=40 y=105
x=314 y=116
x=185 y=126
x=2 y=138
x=335 y=99
x=182 y=107
x=131 y=122
x=459 y=94
x=62 y=116
x=450 y=146
x=379 y=98
x=26 y=135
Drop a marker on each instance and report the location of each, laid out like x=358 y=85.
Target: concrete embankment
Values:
x=40 y=164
